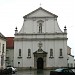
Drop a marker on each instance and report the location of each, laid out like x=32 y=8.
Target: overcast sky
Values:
x=12 y=12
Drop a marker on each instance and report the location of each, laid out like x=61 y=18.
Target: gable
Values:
x=40 y=12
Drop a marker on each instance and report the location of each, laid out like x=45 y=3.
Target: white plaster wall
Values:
x=17 y=46
x=60 y=44
x=0 y=53
x=56 y=46
x=50 y=61
x=49 y=26
x=70 y=60
x=47 y=45
x=1 y=43
x=10 y=54
x=40 y=13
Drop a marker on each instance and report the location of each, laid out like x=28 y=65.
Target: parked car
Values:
x=5 y=71
x=62 y=71
x=13 y=69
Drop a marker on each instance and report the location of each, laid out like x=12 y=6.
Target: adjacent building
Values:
x=9 y=51
x=40 y=44
x=2 y=51
x=71 y=60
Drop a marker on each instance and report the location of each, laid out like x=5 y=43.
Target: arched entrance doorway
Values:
x=40 y=59
x=40 y=63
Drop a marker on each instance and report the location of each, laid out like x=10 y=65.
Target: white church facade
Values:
x=40 y=44
x=2 y=51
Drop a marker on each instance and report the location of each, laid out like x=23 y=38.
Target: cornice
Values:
x=37 y=39
x=40 y=34
x=39 y=17
x=3 y=38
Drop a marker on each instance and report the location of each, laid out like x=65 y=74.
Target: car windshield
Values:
x=59 y=70
x=8 y=66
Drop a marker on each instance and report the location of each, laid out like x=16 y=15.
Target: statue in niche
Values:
x=40 y=28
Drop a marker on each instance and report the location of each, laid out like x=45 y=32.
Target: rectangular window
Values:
x=51 y=52
x=19 y=52
x=68 y=65
x=3 y=48
x=71 y=65
x=60 y=52
x=7 y=58
x=29 y=52
x=74 y=64
x=0 y=47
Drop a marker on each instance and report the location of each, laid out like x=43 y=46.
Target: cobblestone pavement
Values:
x=33 y=72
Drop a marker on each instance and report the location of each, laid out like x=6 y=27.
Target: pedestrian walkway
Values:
x=33 y=72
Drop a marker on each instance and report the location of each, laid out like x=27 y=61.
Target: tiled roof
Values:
x=9 y=42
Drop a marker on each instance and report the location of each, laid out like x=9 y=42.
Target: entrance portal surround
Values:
x=40 y=59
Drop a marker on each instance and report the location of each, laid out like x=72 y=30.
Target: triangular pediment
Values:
x=40 y=12
x=40 y=52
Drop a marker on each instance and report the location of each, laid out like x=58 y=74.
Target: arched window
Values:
x=19 y=52
x=51 y=52
x=29 y=52
x=60 y=52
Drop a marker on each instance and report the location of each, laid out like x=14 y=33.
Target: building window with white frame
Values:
x=0 y=47
x=19 y=52
x=68 y=65
x=3 y=48
x=60 y=53
x=71 y=65
x=74 y=64
x=29 y=52
x=51 y=53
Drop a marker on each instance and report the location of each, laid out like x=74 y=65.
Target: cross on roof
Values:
x=40 y=4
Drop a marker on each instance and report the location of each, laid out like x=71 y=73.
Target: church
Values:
x=40 y=43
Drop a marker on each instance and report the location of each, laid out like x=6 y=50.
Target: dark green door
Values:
x=39 y=63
